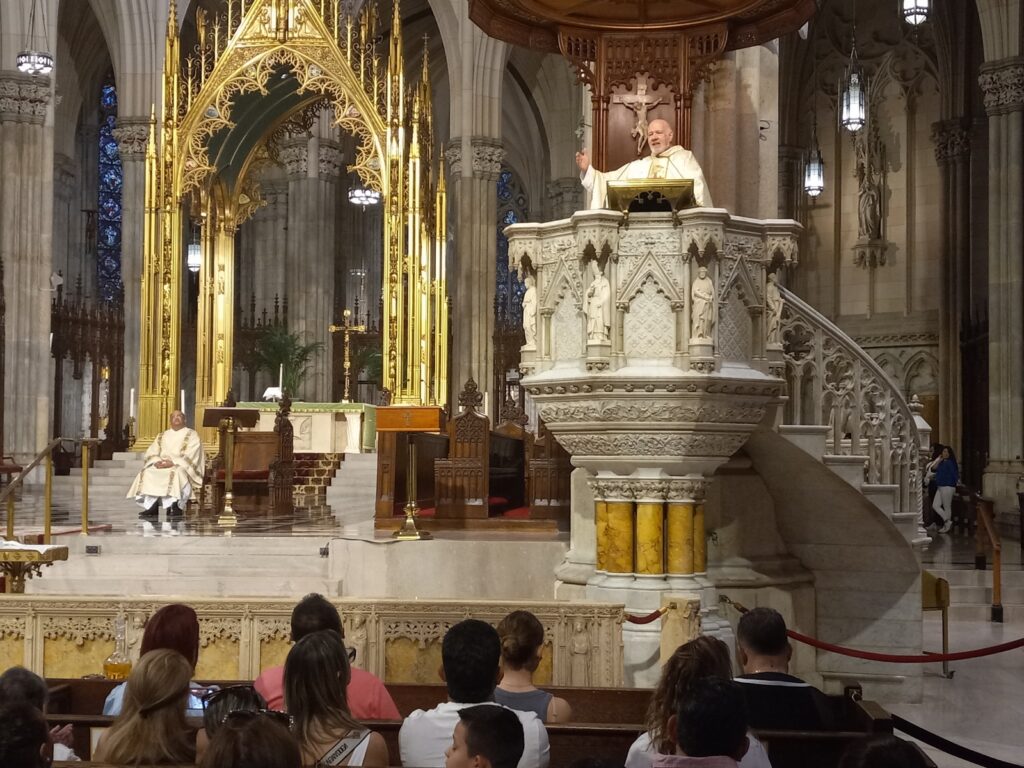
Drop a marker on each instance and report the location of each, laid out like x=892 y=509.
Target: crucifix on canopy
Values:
x=346 y=329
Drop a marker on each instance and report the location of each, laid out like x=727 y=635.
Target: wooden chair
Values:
x=507 y=470
x=263 y=471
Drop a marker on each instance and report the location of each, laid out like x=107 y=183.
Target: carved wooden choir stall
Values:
x=474 y=476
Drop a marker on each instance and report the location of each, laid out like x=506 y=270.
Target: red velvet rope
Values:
x=646 y=619
x=926 y=658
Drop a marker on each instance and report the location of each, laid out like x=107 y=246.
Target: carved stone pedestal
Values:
x=650 y=426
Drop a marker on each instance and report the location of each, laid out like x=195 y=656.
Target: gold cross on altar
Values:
x=347 y=329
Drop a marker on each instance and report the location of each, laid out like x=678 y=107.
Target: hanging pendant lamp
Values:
x=915 y=12
x=31 y=61
x=853 y=102
x=814 y=171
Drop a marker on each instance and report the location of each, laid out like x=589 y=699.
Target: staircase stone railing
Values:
x=833 y=382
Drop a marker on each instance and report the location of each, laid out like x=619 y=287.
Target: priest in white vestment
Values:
x=173 y=470
x=666 y=161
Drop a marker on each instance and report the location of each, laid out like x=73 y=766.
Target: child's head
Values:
x=486 y=736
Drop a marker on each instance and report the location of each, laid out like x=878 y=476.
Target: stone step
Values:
x=1012 y=614
x=983 y=595
x=103 y=469
x=882 y=496
x=849 y=468
x=970 y=577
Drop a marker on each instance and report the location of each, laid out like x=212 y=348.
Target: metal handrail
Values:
x=46 y=454
x=983 y=508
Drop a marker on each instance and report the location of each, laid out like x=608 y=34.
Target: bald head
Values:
x=659 y=135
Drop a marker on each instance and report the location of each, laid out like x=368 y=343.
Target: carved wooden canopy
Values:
x=661 y=48
x=537 y=23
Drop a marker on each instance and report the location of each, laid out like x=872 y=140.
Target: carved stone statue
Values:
x=356 y=639
x=530 y=311
x=773 y=308
x=870 y=159
x=599 y=306
x=579 y=655
x=702 y=306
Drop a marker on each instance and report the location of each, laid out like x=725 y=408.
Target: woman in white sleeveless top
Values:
x=316 y=675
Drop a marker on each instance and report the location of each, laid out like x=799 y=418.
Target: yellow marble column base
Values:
x=700 y=542
x=601 y=523
x=650 y=538
x=619 y=550
x=680 y=537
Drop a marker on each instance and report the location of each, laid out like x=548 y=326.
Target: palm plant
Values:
x=277 y=347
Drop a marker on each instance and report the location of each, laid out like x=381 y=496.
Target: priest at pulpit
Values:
x=666 y=161
x=172 y=472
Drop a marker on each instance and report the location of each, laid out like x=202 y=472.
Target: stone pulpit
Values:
x=652 y=353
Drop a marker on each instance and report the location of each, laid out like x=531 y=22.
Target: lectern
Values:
x=391 y=421
x=227 y=421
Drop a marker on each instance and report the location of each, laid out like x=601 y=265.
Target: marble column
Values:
x=65 y=203
x=474 y=167
x=132 y=135
x=264 y=249
x=313 y=166
x=953 y=154
x=565 y=197
x=84 y=212
x=1002 y=83
x=26 y=249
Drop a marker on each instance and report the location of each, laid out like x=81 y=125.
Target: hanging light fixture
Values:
x=30 y=61
x=915 y=11
x=363 y=196
x=814 y=170
x=194 y=259
x=853 y=104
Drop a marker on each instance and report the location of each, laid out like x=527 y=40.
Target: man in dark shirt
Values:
x=775 y=699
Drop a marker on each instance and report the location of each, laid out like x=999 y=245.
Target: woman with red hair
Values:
x=174 y=627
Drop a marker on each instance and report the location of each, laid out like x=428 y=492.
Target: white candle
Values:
x=280 y=376
x=131 y=404
x=183 y=401
x=486 y=412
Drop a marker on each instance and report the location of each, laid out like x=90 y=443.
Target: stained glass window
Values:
x=108 y=246
x=512 y=208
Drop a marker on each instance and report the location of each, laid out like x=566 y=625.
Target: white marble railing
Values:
x=832 y=382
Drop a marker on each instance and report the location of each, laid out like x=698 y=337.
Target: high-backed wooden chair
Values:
x=263 y=471
x=548 y=470
x=507 y=471
x=461 y=480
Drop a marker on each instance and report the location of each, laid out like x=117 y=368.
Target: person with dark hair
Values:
x=709 y=727
x=174 y=627
x=882 y=752
x=248 y=739
x=946 y=475
x=470 y=667
x=220 y=703
x=776 y=700
x=704 y=656
x=367 y=697
x=485 y=737
x=151 y=728
x=316 y=676
x=522 y=643
x=23 y=736
x=18 y=685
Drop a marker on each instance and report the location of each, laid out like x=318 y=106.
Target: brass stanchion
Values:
x=48 y=498
x=10 y=517
x=408 y=531
x=227 y=518
x=85 y=488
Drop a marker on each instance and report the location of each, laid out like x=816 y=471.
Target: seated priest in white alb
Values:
x=173 y=470
x=666 y=161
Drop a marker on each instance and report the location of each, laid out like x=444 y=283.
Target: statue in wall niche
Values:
x=702 y=306
x=579 y=654
x=530 y=311
x=599 y=305
x=870 y=157
x=773 y=307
